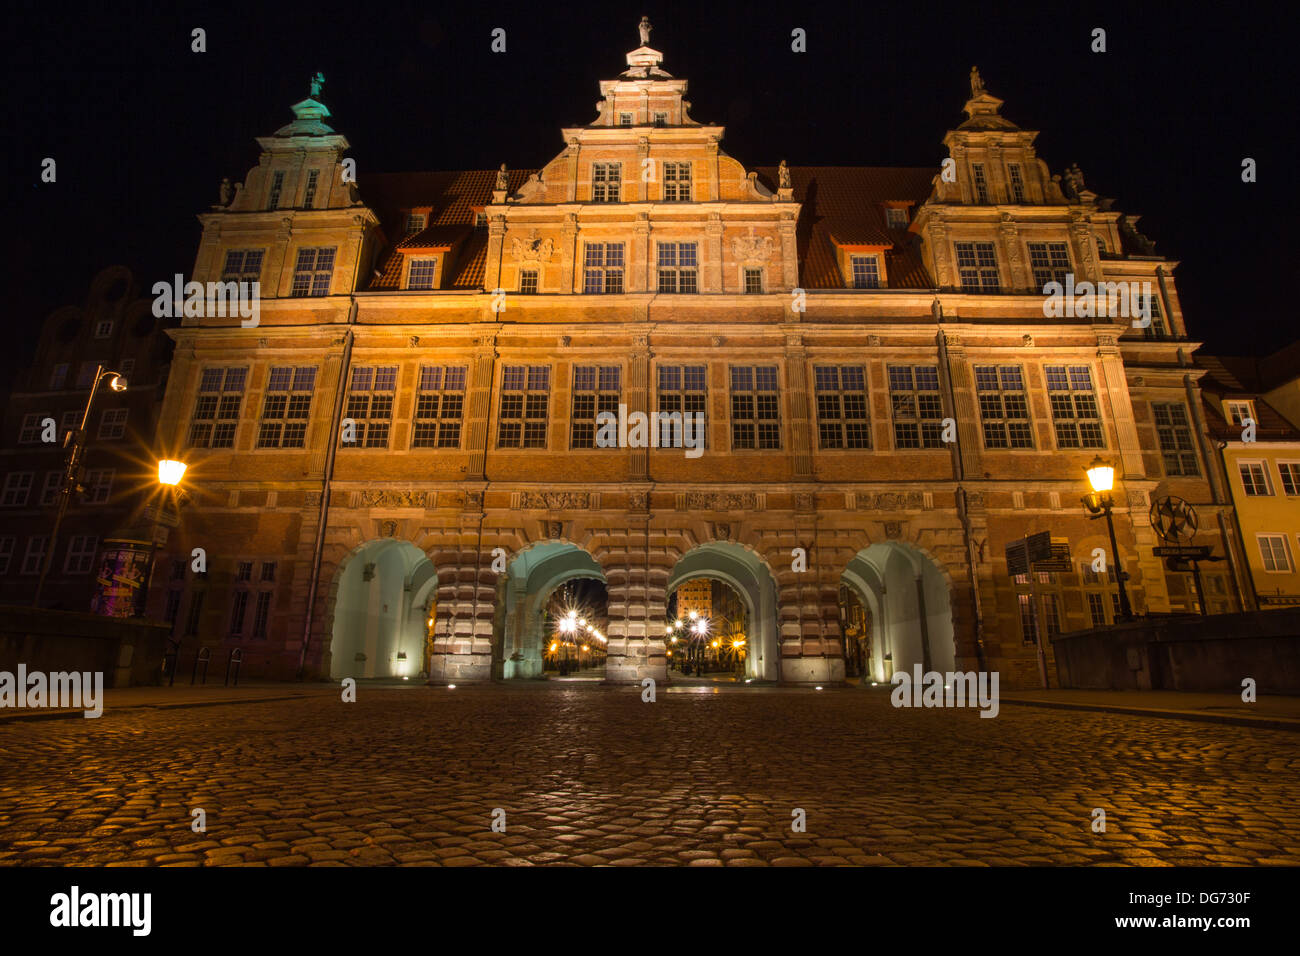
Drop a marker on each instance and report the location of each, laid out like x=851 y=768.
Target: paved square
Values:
x=590 y=774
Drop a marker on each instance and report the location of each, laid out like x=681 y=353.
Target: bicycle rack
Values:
x=171 y=659
x=236 y=658
x=202 y=657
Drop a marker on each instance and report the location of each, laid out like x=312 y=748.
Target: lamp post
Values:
x=76 y=442
x=170 y=473
x=1102 y=478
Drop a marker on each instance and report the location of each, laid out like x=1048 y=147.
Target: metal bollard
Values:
x=236 y=658
x=202 y=657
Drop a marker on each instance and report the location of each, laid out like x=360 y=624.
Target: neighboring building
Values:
x=116 y=328
x=697 y=596
x=1260 y=464
x=416 y=416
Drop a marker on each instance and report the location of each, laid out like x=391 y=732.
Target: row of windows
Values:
x=1256 y=482
x=276 y=193
x=843 y=421
x=86 y=372
x=1015 y=183
x=18 y=487
x=112 y=425
x=79 y=558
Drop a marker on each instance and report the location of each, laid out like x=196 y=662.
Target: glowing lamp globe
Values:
x=1101 y=476
x=170 y=472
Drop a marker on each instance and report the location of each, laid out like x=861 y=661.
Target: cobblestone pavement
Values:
x=588 y=774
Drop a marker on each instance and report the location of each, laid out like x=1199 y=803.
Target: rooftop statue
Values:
x=644 y=27
x=317 y=82
x=502 y=181
x=783 y=175
x=976 y=83
x=227 y=191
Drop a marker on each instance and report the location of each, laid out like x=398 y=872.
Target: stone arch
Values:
x=532 y=575
x=909 y=595
x=376 y=611
x=748 y=573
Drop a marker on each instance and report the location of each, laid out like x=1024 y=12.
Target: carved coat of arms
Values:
x=532 y=247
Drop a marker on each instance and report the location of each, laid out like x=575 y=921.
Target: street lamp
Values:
x=1101 y=477
x=75 y=441
x=170 y=473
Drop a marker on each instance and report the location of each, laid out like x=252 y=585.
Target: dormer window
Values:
x=1017 y=183
x=414 y=223
x=277 y=186
x=661 y=119
x=895 y=217
x=624 y=119
x=866 y=272
x=422 y=273
x=309 y=198
x=981 y=184
x=480 y=219
x=1238 y=412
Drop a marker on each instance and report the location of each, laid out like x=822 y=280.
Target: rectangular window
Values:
x=661 y=119
x=603 y=268
x=238 y=609
x=528 y=281
x=525 y=396
x=866 y=272
x=981 y=184
x=99 y=485
x=753 y=281
x=1074 y=406
x=439 y=404
x=1097 y=608
x=50 y=490
x=606 y=179
x=370 y=406
x=86 y=375
x=68 y=422
x=596 y=389
x=81 y=554
x=7 y=545
x=1028 y=624
x=1004 y=407
x=1276 y=552
x=34 y=557
x=678 y=267
x=242 y=265
x=1051 y=615
x=895 y=217
x=842 y=420
x=309 y=198
x=277 y=186
x=216 y=409
x=1254 y=479
x=30 y=431
x=1050 y=262
x=103 y=328
x=683 y=389
x=268 y=571
x=112 y=425
x=755 y=407
x=422 y=273
x=1175 y=435
x=1239 y=412
x=244 y=571
x=1289 y=471
x=1017 y=183
x=18 y=487
x=196 y=612
x=917 y=406
x=1157 y=328
x=414 y=223
x=59 y=377
x=261 y=615
x=977 y=264
x=178 y=569
x=287 y=407
x=313 y=271
x=677 y=182
x=624 y=119
x=173 y=608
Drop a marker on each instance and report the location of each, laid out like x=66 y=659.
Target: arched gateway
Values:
x=382 y=592
x=533 y=575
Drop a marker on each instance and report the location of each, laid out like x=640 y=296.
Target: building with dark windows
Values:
x=437 y=420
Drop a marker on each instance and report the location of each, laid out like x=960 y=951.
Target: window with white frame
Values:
x=18 y=487
x=525 y=399
x=678 y=267
x=34 y=557
x=977 y=264
x=1017 y=183
x=683 y=390
x=624 y=119
x=1157 y=328
x=866 y=272
x=842 y=420
x=286 y=408
x=216 y=409
x=1276 y=552
x=1174 y=432
x=370 y=405
x=1050 y=262
x=439 y=405
x=1004 y=406
x=30 y=432
x=99 y=485
x=917 y=406
x=677 y=182
x=1254 y=478
x=309 y=196
x=414 y=223
x=596 y=389
x=81 y=554
x=755 y=407
x=606 y=179
x=277 y=187
x=661 y=119
x=1289 y=472
x=1239 y=411
x=313 y=271
x=59 y=376
x=1074 y=406
x=242 y=265
x=50 y=490
x=103 y=328
x=895 y=217
x=421 y=273
x=112 y=425
x=753 y=281
x=7 y=544
x=981 y=184
x=603 y=268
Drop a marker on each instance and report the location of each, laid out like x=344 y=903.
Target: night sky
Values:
x=143 y=129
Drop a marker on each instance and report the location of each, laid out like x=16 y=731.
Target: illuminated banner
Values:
x=119 y=581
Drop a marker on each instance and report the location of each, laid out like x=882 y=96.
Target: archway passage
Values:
x=907 y=610
x=383 y=592
x=737 y=632
x=547 y=586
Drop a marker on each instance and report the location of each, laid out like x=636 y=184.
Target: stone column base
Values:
x=459 y=668
x=812 y=670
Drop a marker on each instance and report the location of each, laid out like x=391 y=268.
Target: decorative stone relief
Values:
x=893 y=529
x=312 y=499
x=873 y=341
x=975 y=499
x=554 y=529
x=554 y=499
x=1027 y=340
x=719 y=340
x=388 y=529
x=565 y=340
x=1106 y=341
x=722 y=531
x=890 y=501
x=752 y=247
x=392 y=499
x=721 y=501
x=532 y=248
x=1137 y=499
x=413 y=341
x=804 y=502
x=638 y=501
x=473 y=500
